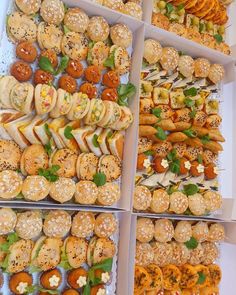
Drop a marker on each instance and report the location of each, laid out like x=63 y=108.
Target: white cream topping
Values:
x=164 y=163
x=101 y=292
x=54 y=281
x=22 y=287
x=105 y=277
x=216 y=170
x=200 y=168
x=82 y=281
x=187 y=165
x=146 y=163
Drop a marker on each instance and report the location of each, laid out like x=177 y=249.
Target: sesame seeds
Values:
x=35 y=188
x=108 y=194
x=164 y=230
x=83 y=224
x=52 y=11
x=86 y=192
x=76 y=20
x=98 y=29
x=178 y=202
x=144 y=254
x=170 y=58
x=10 y=184
x=142 y=198
x=105 y=225
x=62 y=190
x=162 y=253
x=211 y=253
x=57 y=224
x=7 y=221
x=28 y=6
x=29 y=224
x=144 y=230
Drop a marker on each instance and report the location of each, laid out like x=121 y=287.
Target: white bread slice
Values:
x=54 y=126
x=116 y=144
x=41 y=132
x=90 y=139
x=80 y=135
x=103 y=140
x=70 y=143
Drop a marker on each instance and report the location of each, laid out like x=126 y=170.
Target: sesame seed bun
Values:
x=76 y=251
x=144 y=230
x=133 y=9
x=29 y=224
x=142 y=198
x=76 y=20
x=202 y=68
x=114 y=4
x=211 y=253
x=183 y=231
x=164 y=230
x=196 y=255
x=28 y=6
x=106 y=225
x=35 y=188
x=169 y=59
x=86 y=192
x=75 y=45
x=104 y=249
x=33 y=158
x=216 y=73
x=216 y=233
x=98 y=29
x=108 y=194
x=83 y=224
x=19 y=257
x=181 y=253
x=87 y=165
x=49 y=36
x=7 y=221
x=200 y=231
x=178 y=202
x=152 y=51
x=10 y=184
x=62 y=190
x=52 y=11
x=121 y=35
x=197 y=204
x=144 y=254
x=186 y=65
x=160 y=201
x=57 y=224
x=162 y=253
x=20 y=27
x=10 y=154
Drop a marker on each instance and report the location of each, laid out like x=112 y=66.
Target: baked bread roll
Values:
x=86 y=192
x=83 y=224
x=106 y=225
x=8 y=221
x=10 y=184
x=35 y=188
x=144 y=230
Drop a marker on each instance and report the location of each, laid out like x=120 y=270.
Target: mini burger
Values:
x=96 y=112
x=45 y=98
x=75 y=250
x=63 y=104
x=19 y=256
x=80 y=106
x=28 y=6
x=21 y=97
x=6 y=85
x=46 y=253
x=100 y=249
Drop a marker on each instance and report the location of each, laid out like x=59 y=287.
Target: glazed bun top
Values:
x=52 y=11
x=152 y=51
x=121 y=35
x=28 y=6
x=98 y=29
x=7 y=220
x=76 y=20
x=216 y=73
x=186 y=65
x=169 y=59
x=201 y=67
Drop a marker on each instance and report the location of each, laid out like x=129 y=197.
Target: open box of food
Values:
x=226 y=258
x=61 y=226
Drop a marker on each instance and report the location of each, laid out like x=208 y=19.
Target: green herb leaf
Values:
x=171 y=155
x=50 y=173
x=189 y=102
x=99 y=179
x=48 y=291
x=171 y=189
x=110 y=61
x=65 y=7
x=4 y=263
x=106 y=265
x=66 y=29
x=188 y=212
x=190 y=189
x=199 y=159
x=48 y=148
x=46 y=65
x=64 y=260
x=31 y=289
x=63 y=64
x=20 y=196
x=175 y=166
x=125 y=91
x=161 y=133
x=192 y=243
x=156 y=112
x=201 y=27
x=180 y=6
x=205 y=139
x=34 y=269
x=12 y=238
x=67 y=132
x=201 y=278
x=109 y=134
x=95 y=140
x=95 y=281
x=190 y=133
x=149 y=153
x=169 y=8
x=47 y=130
x=144 y=64
x=87 y=289
x=218 y=38
x=193 y=112
x=190 y=92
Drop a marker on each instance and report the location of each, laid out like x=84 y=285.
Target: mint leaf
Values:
x=63 y=65
x=99 y=179
x=218 y=38
x=125 y=91
x=190 y=189
x=190 y=92
x=157 y=112
x=175 y=166
x=87 y=289
x=95 y=140
x=67 y=132
x=193 y=112
x=46 y=65
x=199 y=159
x=191 y=244
x=180 y=6
x=50 y=173
x=161 y=133
x=149 y=153
x=64 y=260
x=190 y=133
x=201 y=278
x=106 y=265
x=110 y=61
x=201 y=27
x=66 y=29
x=171 y=155
x=189 y=102
x=34 y=269
x=47 y=130
x=48 y=148
x=169 y=8
x=205 y=139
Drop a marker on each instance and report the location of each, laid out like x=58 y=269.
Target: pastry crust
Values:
x=83 y=224
x=108 y=194
x=87 y=165
x=106 y=225
x=8 y=220
x=76 y=251
x=98 y=29
x=142 y=198
x=57 y=224
x=29 y=224
x=29 y=6
x=62 y=190
x=52 y=11
x=35 y=188
x=144 y=254
x=76 y=20
x=75 y=45
x=183 y=231
x=121 y=35
x=66 y=160
x=86 y=192
x=10 y=184
x=164 y=230
x=144 y=230
x=111 y=166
